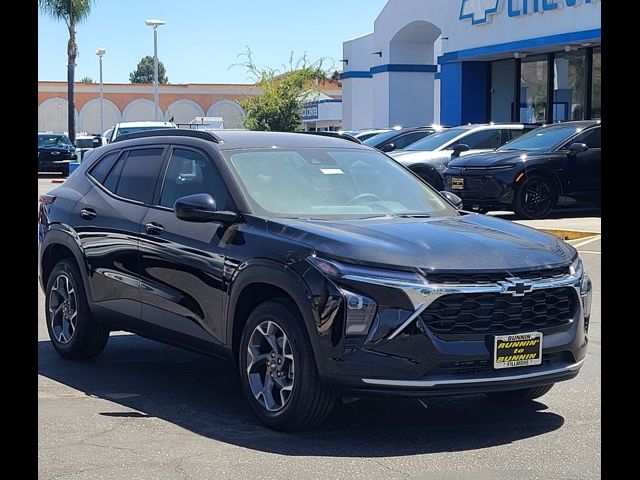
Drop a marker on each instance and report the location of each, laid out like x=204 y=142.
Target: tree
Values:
x=144 y=72
x=86 y=80
x=72 y=12
x=279 y=107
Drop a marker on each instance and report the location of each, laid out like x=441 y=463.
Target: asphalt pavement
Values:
x=143 y=410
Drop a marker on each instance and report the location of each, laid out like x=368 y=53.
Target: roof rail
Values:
x=169 y=132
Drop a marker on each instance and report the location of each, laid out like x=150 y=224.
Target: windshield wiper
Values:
x=413 y=215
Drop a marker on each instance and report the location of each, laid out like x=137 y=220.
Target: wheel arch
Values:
x=545 y=171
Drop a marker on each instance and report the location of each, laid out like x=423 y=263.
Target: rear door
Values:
x=182 y=262
x=584 y=168
x=107 y=221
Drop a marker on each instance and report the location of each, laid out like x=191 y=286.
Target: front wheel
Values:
x=523 y=395
x=535 y=198
x=278 y=370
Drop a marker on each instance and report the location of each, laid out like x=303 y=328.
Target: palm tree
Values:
x=72 y=12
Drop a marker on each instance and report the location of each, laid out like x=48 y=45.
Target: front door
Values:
x=584 y=168
x=182 y=262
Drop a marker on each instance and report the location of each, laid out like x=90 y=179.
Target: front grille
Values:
x=499 y=314
x=479 y=187
x=494 y=277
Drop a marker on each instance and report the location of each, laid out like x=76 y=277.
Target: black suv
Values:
x=557 y=164
x=55 y=152
x=322 y=267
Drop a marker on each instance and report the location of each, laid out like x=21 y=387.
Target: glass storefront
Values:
x=558 y=95
x=570 y=84
x=533 y=89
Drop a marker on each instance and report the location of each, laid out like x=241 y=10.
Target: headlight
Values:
x=360 y=311
x=495 y=167
x=337 y=270
x=576 y=269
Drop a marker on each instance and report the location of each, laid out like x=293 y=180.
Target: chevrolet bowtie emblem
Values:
x=516 y=287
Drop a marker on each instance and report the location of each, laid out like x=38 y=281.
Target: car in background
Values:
x=363 y=135
x=555 y=164
x=126 y=128
x=399 y=139
x=343 y=135
x=86 y=143
x=55 y=152
x=429 y=157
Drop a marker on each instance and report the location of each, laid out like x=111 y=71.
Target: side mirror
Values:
x=96 y=142
x=201 y=208
x=453 y=199
x=459 y=148
x=389 y=147
x=576 y=148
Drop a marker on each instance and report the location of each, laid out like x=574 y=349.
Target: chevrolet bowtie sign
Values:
x=480 y=12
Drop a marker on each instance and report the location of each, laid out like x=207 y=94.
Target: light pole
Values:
x=155 y=24
x=100 y=53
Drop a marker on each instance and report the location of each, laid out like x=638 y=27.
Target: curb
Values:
x=569 y=234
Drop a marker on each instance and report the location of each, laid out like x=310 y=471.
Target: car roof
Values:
x=241 y=139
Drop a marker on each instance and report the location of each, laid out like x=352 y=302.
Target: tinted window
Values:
x=543 y=138
x=111 y=182
x=592 y=138
x=188 y=173
x=100 y=171
x=45 y=140
x=406 y=140
x=437 y=140
x=482 y=140
x=139 y=174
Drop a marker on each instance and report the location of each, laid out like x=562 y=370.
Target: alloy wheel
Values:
x=63 y=309
x=538 y=197
x=270 y=366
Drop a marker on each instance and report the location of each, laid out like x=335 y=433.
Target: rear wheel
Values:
x=535 y=198
x=278 y=370
x=73 y=332
x=523 y=395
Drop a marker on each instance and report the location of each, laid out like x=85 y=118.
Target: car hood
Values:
x=494 y=159
x=466 y=242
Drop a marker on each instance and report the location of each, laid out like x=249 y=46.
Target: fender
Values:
x=546 y=171
x=63 y=234
x=283 y=277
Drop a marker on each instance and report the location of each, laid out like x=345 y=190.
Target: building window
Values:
x=596 y=99
x=533 y=89
x=570 y=85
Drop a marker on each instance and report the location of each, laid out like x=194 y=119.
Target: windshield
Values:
x=331 y=184
x=128 y=130
x=379 y=138
x=542 y=139
x=54 y=141
x=436 y=140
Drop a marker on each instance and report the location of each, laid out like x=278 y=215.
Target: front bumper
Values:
x=402 y=355
x=483 y=188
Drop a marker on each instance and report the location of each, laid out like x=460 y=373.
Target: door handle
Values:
x=154 y=228
x=88 y=213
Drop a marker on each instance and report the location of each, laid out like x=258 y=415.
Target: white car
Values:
x=125 y=128
x=85 y=143
x=429 y=157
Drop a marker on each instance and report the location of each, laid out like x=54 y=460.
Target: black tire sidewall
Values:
x=518 y=204
x=280 y=312
x=82 y=333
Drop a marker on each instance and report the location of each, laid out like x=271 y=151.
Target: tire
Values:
x=308 y=402
x=75 y=337
x=524 y=395
x=432 y=178
x=535 y=198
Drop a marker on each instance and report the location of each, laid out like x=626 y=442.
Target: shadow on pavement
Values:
x=203 y=395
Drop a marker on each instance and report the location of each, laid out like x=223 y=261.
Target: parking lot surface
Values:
x=143 y=410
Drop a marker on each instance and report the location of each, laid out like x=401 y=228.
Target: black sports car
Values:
x=553 y=165
x=55 y=152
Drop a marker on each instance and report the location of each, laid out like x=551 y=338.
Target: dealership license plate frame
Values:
x=457 y=183
x=503 y=349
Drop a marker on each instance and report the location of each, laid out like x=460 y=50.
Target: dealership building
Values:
x=469 y=61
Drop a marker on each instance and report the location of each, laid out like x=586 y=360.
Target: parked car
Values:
x=342 y=135
x=363 y=135
x=555 y=164
x=106 y=136
x=429 y=157
x=85 y=143
x=125 y=128
x=55 y=152
x=399 y=139
x=322 y=268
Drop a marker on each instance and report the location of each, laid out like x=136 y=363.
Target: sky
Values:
x=202 y=38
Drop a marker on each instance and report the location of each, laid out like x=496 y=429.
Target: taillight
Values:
x=47 y=199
